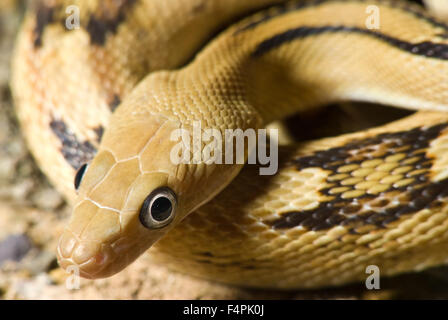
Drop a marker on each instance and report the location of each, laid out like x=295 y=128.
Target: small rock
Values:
x=30 y=289
x=6 y=168
x=20 y=190
x=39 y=261
x=58 y=275
x=48 y=199
x=14 y=248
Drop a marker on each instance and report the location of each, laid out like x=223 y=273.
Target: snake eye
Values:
x=79 y=175
x=159 y=208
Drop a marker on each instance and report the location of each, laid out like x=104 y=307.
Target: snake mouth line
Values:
x=93 y=259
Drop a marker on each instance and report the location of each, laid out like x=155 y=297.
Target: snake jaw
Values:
x=103 y=244
x=86 y=258
x=92 y=260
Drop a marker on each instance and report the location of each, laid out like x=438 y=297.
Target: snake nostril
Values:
x=100 y=258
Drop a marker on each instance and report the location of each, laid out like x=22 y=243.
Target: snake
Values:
x=100 y=86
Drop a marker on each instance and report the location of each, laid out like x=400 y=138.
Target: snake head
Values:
x=132 y=193
x=127 y=199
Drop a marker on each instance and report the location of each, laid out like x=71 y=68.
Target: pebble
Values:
x=6 y=168
x=14 y=248
x=21 y=189
x=39 y=261
x=47 y=199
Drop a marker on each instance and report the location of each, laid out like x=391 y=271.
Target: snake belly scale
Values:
x=111 y=92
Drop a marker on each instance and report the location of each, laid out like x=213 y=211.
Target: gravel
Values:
x=14 y=248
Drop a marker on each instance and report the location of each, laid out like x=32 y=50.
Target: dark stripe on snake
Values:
x=279 y=10
x=105 y=23
x=372 y=209
x=198 y=8
x=99 y=133
x=285 y=8
x=44 y=17
x=115 y=103
x=75 y=152
x=425 y=49
x=206 y=254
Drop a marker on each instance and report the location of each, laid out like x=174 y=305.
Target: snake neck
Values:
x=295 y=57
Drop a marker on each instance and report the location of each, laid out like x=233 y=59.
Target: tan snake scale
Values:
x=114 y=89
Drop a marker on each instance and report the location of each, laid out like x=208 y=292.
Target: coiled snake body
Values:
x=336 y=206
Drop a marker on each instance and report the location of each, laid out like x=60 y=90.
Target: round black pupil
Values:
x=161 y=209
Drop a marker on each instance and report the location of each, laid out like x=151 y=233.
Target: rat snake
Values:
x=110 y=90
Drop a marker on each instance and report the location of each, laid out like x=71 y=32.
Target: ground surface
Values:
x=32 y=215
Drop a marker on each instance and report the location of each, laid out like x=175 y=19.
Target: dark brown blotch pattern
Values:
x=45 y=15
x=361 y=182
x=99 y=131
x=107 y=19
x=75 y=152
x=104 y=20
x=114 y=103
